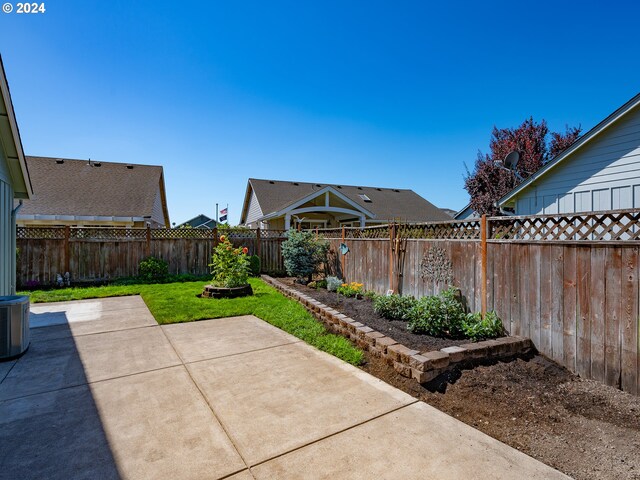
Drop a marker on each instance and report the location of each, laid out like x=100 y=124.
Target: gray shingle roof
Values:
x=386 y=203
x=75 y=188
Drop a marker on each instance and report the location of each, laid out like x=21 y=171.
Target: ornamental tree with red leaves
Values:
x=489 y=182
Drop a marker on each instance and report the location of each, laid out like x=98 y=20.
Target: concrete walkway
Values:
x=104 y=392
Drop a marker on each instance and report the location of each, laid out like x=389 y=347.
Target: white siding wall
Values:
x=602 y=175
x=7 y=237
x=158 y=214
x=254 y=212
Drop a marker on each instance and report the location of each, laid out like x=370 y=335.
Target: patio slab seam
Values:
x=337 y=432
x=238 y=353
x=213 y=412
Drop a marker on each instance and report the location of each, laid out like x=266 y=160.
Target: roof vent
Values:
x=396 y=190
x=318 y=185
x=130 y=167
x=379 y=189
x=338 y=186
x=97 y=164
x=59 y=161
x=272 y=182
x=364 y=198
x=359 y=188
x=296 y=183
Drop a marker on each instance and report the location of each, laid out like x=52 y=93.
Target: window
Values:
x=365 y=198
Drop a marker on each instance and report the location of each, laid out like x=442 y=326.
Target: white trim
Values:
x=80 y=218
x=587 y=137
x=4 y=88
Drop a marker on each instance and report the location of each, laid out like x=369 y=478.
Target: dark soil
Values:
x=580 y=427
x=362 y=311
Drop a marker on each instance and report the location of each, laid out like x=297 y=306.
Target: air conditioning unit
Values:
x=14 y=325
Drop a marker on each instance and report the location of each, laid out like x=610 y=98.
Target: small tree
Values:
x=488 y=182
x=303 y=253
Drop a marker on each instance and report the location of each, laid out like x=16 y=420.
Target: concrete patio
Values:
x=104 y=392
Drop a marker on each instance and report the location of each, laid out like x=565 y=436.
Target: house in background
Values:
x=280 y=205
x=94 y=194
x=465 y=213
x=600 y=171
x=201 y=221
x=14 y=184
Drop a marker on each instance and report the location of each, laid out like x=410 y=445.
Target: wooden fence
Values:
x=99 y=254
x=570 y=283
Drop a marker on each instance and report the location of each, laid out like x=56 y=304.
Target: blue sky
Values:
x=390 y=94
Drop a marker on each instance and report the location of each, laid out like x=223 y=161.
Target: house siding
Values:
x=602 y=175
x=254 y=212
x=157 y=214
x=7 y=236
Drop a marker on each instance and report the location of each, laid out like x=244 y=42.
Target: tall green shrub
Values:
x=395 y=307
x=152 y=269
x=438 y=315
x=303 y=253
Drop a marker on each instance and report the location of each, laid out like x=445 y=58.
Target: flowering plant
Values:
x=353 y=289
x=229 y=265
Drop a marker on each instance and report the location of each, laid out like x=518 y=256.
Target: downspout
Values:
x=14 y=214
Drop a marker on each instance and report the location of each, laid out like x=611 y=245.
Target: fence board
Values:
x=583 y=318
x=629 y=321
x=569 y=312
x=612 y=316
x=598 y=285
x=556 y=255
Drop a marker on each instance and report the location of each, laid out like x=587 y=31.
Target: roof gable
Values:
x=387 y=204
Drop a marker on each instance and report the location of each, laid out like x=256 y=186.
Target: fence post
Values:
x=483 y=252
x=148 y=240
x=258 y=244
x=67 y=252
x=392 y=238
x=342 y=259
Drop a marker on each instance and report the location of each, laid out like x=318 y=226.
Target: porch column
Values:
x=362 y=221
x=287 y=221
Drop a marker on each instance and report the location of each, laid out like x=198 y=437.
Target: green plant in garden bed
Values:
x=333 y=283
x=229 y=265
x=353 y=289
x=153 y=269
x=437 y=315
x=303 y=252
x=395 y=307
x=177 y=302
x=477 y=328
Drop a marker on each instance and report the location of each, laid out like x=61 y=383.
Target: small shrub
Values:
x=437 y=315
x=229 y=266
x=394 y=307
x=370 y=294
x=321 y=284
x=353 y=289
x=303 y=253
x=333 y=283
x=153 y=269
x=255 y=265
x=477 y=328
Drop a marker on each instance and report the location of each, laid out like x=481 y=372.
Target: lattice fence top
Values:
x=108 y=233
x=273 y=233
x=457 y=230
x=618 y=225
x=162 y=233
x=53 y=233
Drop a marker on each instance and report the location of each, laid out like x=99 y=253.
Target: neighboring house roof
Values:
x=101 y=189
x=449 y=212
x=385 y=203
x=465 y=212
x=11 y=143
x=577 y=145
x=201 y=221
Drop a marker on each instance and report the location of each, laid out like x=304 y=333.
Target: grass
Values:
x=177 y=302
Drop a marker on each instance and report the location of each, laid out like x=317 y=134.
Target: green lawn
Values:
x=177 y=302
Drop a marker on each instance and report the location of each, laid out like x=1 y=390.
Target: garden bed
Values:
x=362 y=311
